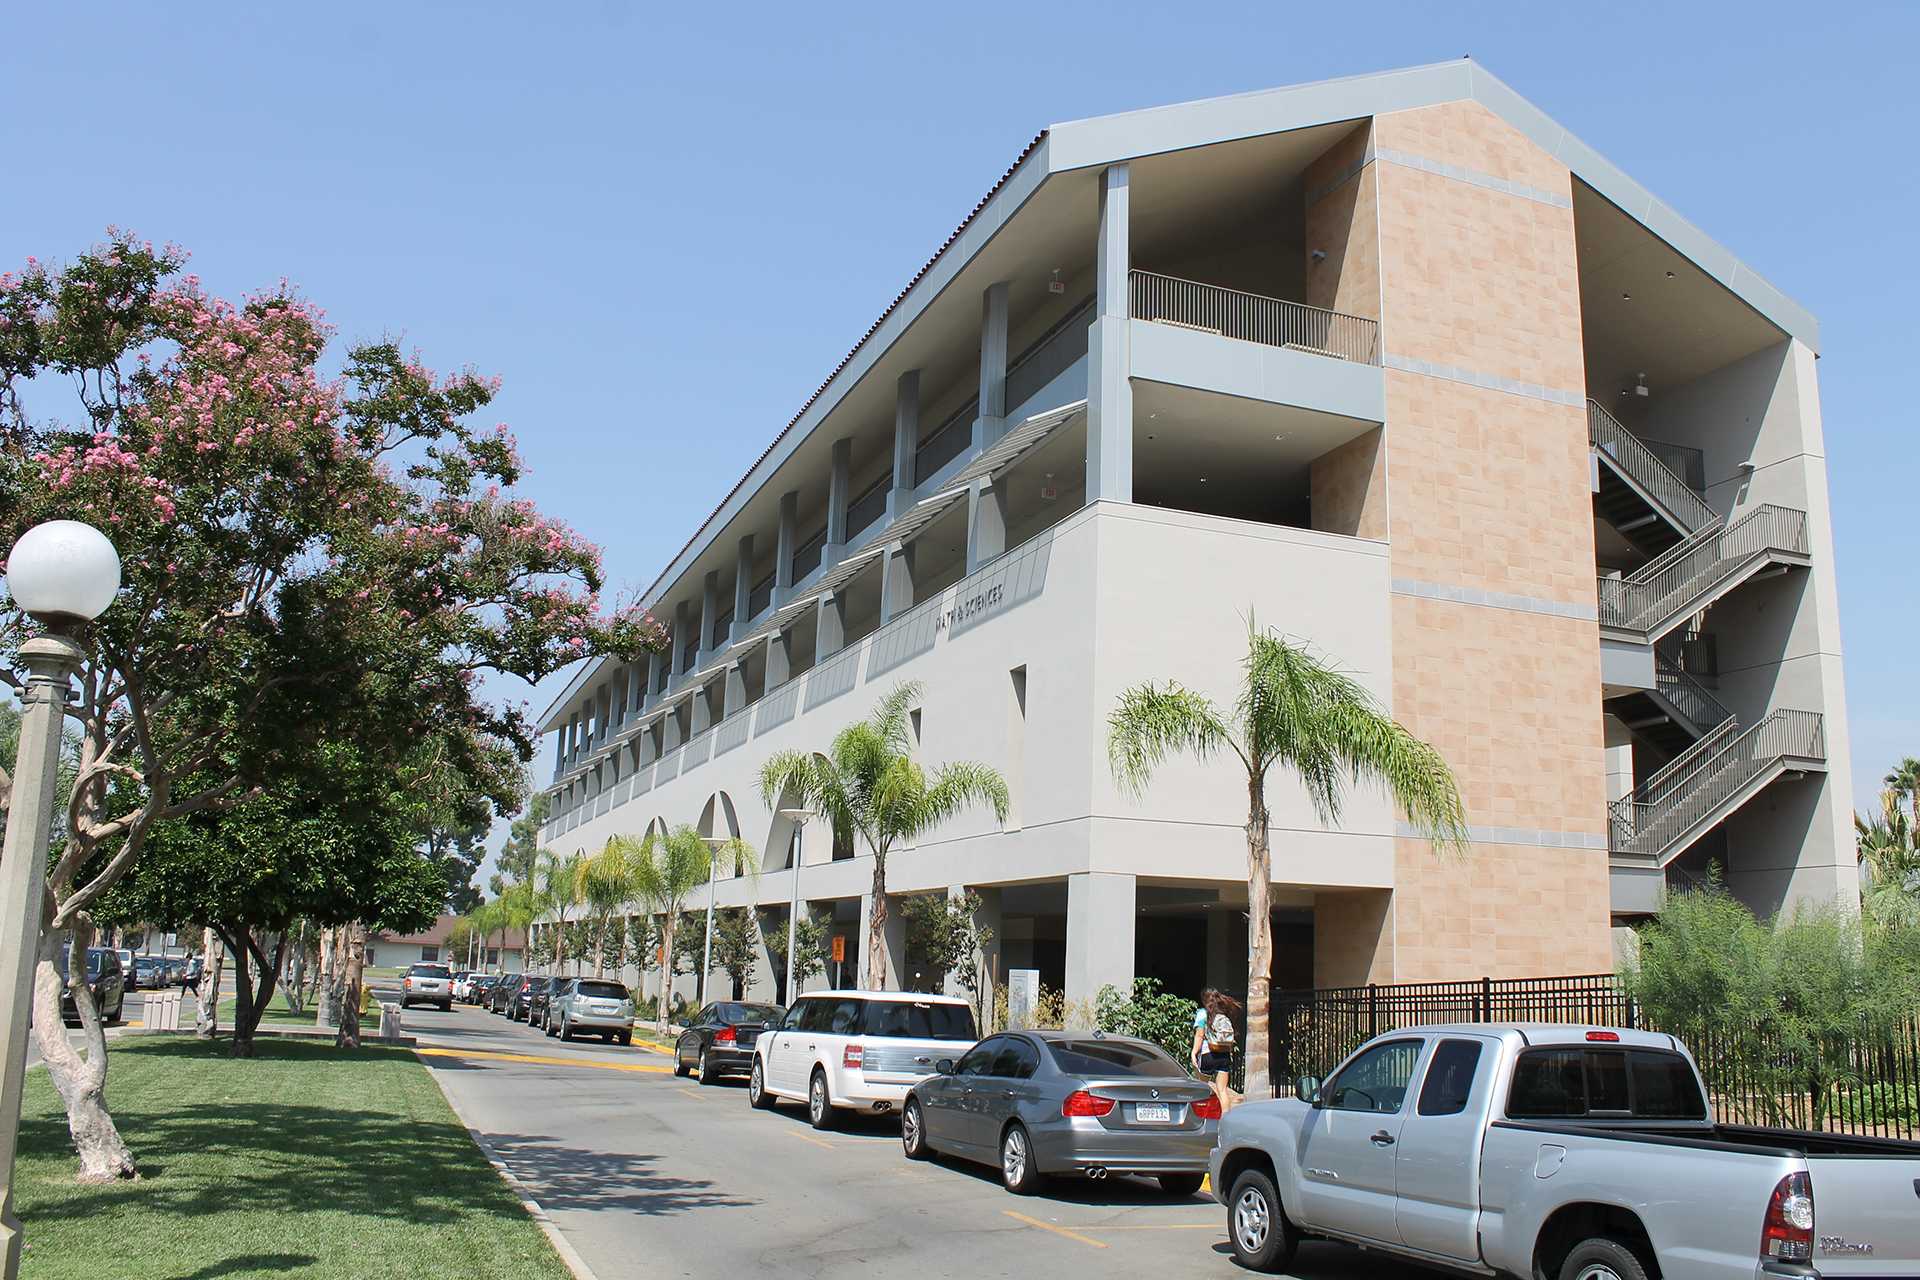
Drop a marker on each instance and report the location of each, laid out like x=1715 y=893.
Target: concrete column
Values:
x=709 y=612
x=991 y=421
x=670 y=733
x=837 y=493
x=742 y=586
x=1109 y=354
x=637 y=686
x=784 y=544
x=1619 y=754
x=779 y=659
x=602 y=715
x=735 y=697
x=683 y=636
x=1100 y=928
x=906 y=441
x=702 y=717
x=986 y=522
x=896 y=582
x=620 y=685
x=655 y=661
x=1220 y=930
x=830 y=627
x=573 y=737
x=559 y=750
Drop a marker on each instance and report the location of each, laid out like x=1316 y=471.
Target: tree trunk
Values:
x=666 y=974
x=349 y=1036
x=326 y=997
x=600 y=951
x=212 y=956
x=82 y=1082
x=876 y=928
x=1258 y=1082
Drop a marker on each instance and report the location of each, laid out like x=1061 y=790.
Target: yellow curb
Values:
x=1059 y=1231
x=550 y=1062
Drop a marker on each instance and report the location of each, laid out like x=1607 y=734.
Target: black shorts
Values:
x=1212 y=1063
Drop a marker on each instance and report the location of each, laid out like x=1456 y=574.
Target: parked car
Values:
x=480 y=992
x=520 y=1001
x=861 y=1050
x=149 y=973
x=106 y=979
x=538 y=994
x=500 y=997
x=595 y=1006
x=1038 y=1103
x=427 y=983
x=127 y=959
x=461 y=977
x=1583 y=1153
x=719 y=1039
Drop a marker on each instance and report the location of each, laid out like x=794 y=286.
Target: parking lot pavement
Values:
x=651 y=1175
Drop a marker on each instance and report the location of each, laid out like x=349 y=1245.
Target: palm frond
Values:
x=955 y=787
x=1152 y=723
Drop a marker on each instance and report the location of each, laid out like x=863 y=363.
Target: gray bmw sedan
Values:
x=1065 y=1102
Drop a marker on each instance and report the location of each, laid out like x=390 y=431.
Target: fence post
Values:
x=1486 y=998
x=1633 y=1014
x=1373 y=1010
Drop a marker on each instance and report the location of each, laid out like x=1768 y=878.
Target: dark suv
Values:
x=500 y=998
x=540 y=1001
x=106 y=978
x=531 y=989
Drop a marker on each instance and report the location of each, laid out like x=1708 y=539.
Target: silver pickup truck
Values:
x=1556 y=1153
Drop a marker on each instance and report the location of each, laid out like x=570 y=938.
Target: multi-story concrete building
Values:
x=1394 y=364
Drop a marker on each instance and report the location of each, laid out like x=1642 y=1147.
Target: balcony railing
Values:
x=1687 y=695
x=1700 y=786
x=1250 y=317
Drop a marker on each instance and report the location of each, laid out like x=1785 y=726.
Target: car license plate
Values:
x=1152 y=1113
x=606 y=1008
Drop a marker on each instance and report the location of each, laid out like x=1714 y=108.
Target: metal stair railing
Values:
x=1688 y=696
x=1689 y=511
x=1702 y=782
x=1664 y=586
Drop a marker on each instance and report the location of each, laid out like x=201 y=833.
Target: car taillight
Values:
x=1604 y=1037
x=1787 y=1233
x=853 y=1057
x=1082 y=1103
x=1207 y=1109
x=726 y=1035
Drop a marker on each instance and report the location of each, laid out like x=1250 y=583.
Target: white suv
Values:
x=860 y=1050
x=427 y=983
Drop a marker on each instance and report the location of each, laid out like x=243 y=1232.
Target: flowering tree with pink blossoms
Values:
x=306 y=558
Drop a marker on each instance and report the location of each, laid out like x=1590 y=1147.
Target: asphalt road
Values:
x=648 y=1175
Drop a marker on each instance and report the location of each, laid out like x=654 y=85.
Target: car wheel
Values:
x=757 y=1096
x=549 y=1024
x=1602 y=1258
x=819 y=1102
x=913 y=1132
x=1181 y=1184
x=446 y=1006
x=625 y=1037
x=1017 y=1171
x=405 y=1003
x=680 y=1067
x=1257 y=1227
x=566 y=1028
x=707 y=1074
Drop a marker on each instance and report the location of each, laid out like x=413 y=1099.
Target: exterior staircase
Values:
x=1696 y=790
x=1649 y=493
x=1651 y=601
x=1677 y=712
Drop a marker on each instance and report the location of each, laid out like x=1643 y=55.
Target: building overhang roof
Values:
x=1100 y=141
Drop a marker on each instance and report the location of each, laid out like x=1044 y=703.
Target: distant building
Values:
x=505 y=951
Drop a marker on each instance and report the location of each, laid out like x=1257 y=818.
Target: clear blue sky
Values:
x=664 y=227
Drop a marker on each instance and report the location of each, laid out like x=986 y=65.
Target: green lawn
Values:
x=304 y=1162
x=278 y=1015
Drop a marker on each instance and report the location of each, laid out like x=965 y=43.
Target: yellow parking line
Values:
x=550 y=1062
x=1161 y=1226
x=1048 y=1226
x=818 y=1142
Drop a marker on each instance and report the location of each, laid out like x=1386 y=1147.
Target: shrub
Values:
x=1150 y=1014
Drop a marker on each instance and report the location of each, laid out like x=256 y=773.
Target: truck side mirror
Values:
x=1307 y=1089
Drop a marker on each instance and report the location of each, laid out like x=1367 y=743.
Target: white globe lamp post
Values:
x=65 y=574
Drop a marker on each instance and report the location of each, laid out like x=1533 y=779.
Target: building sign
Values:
x=1023 y=992
x=839 y=948
x=971 y=607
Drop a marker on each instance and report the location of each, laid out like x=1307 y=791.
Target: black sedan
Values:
x=719 y=1041
x=481 y=989
x=1066 y=1102
x=500 y=998
x=105 y=977
x=520 y=1003
x=540 y=999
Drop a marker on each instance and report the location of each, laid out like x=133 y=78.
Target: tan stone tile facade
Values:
x=1488 y=491
x=1343 y=224
x=1349 y=489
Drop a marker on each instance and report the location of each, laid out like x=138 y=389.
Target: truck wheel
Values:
x=1263 y=1239
x=1602 y=1258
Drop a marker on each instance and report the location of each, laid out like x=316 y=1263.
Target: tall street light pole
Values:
x=65 y=574
x=799 y=818
x=714 y=845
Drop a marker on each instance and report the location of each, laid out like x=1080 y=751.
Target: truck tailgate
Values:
x=1866 y=1214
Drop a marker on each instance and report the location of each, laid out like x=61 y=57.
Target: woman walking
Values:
x=1214 y=1040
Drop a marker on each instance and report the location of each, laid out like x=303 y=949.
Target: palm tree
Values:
x=1904 y=780
x=1295 y=711
x=869 y=783
x=604 y=884
x=665 y=868
x=559 y=881
x=1888 y=851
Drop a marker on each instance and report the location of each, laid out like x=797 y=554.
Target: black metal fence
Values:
x=1865 y=1083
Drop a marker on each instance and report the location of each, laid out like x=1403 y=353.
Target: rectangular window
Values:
x=1449 y=1081
x=429 y=953
x=1554 y=1084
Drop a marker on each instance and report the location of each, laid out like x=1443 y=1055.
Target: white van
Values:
x=858 y=1050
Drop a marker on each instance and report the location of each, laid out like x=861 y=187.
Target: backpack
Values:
x=1220 y=1034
